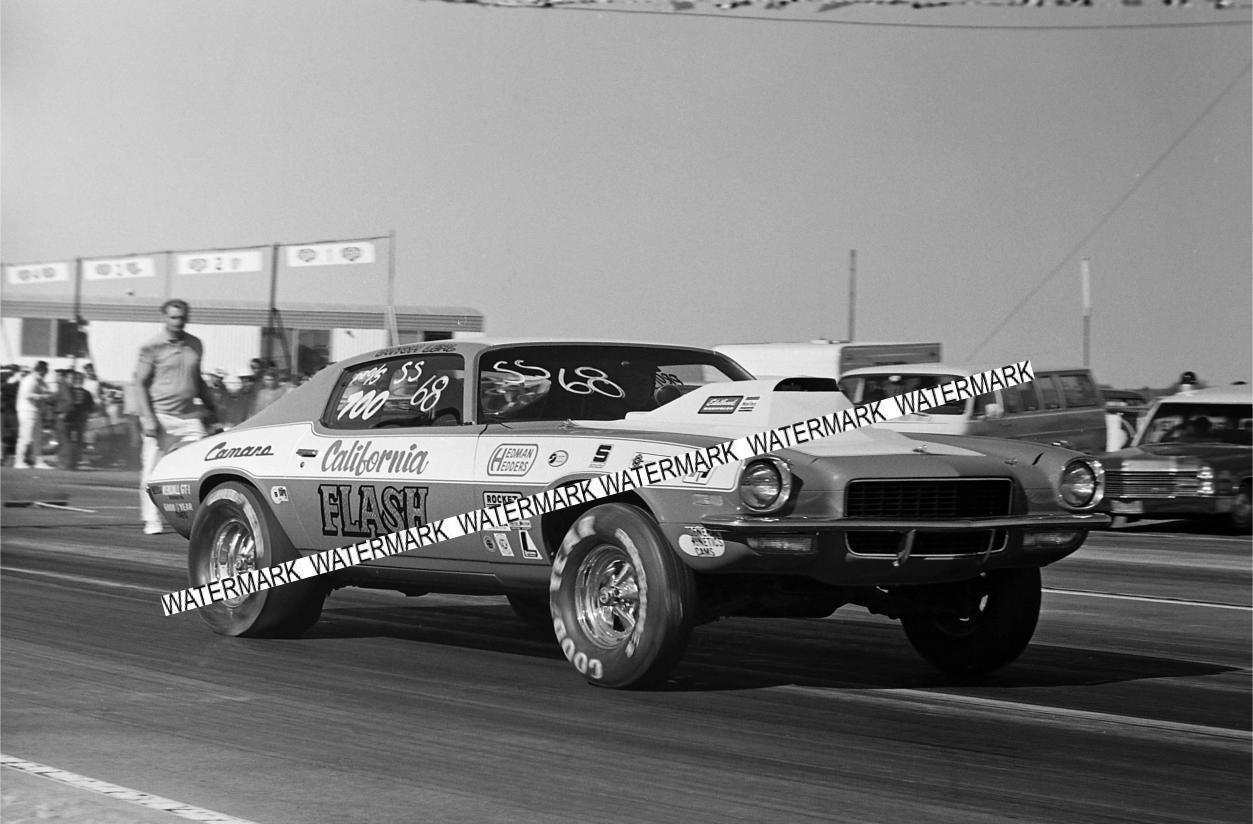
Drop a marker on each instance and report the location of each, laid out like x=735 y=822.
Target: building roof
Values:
x=254 y=313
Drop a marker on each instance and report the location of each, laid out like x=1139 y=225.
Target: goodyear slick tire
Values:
x=234 y=530
x=1002 y=608
x=621 y=601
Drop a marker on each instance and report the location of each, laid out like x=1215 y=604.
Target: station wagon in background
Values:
x=946 y=535
x=1190 y=458
x=1062 y=407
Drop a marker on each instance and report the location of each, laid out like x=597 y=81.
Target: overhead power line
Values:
x=734 y=10
x=1109 y=213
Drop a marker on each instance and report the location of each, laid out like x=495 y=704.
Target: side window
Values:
x=1013 y=402
x=1078 y=390
x=1025 y=399
x=420 y=390
x=1050 y=395
x=982 y=401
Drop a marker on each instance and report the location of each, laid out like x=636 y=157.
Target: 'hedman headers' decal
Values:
x=512 y=459
x=593 y=489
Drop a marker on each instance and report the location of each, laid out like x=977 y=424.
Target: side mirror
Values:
x=993 y=412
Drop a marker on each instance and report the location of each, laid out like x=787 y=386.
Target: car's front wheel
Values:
x=976 y=626
x=622 y=603
x=234 y=532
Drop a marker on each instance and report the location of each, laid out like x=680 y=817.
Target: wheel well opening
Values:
x=214 y=481
x=555 y=525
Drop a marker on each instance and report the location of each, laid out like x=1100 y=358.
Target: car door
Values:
x=389 y=452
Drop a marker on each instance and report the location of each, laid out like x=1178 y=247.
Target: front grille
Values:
x=929 y=500
x=1124 y=484
x=927 y=543
x=940 y=499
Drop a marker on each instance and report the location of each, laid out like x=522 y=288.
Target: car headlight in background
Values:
x=765 y=484
x=1205 y=480
x=1081 y=484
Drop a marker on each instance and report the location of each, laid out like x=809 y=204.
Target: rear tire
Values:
x=234 y=532
x=977 y=626
x=622 y=602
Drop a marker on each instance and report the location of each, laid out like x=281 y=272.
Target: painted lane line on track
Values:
x=1118 y=596
x=63 y=507
x=79 y=579
x=594 y=488
x=119 y=793
x=1222 y=737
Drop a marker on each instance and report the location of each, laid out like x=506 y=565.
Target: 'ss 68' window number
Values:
x=581 y=380
x=426 y=396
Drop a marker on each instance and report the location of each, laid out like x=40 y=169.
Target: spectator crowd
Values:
x=71 y=417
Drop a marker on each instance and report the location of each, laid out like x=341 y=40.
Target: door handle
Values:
x=307 y=453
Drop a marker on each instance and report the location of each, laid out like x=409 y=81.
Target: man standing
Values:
x=167 y=384
x=32 y=395
x=74 y=406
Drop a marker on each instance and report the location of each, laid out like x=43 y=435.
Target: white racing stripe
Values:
x=119 y=793
x=1017 y=712
x=1148 y=599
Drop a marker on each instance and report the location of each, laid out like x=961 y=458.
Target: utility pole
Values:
x=271 y=323
x=393 y=330
x=852 y=293
x=1085 y=271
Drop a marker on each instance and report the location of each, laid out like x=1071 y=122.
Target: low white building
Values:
x=307 y=336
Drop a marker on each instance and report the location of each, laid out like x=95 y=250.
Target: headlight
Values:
x=765 y=484
x=1081 y=483
x=1205 y=478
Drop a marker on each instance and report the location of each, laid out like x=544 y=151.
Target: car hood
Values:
x=1175 y=454
x=733 y=410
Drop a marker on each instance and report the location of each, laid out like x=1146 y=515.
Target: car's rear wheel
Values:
x=234 y=532
x=622 y=602
x=976 y=626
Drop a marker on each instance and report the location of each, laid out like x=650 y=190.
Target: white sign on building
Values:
x=31 y=273
x=118 y=268
x=330 y=254
x=220 y=262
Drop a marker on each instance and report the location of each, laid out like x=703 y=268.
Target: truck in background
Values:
x=826 y=358
x=1062 y=407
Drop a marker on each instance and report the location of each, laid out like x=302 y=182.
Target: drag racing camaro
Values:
x=945 y=533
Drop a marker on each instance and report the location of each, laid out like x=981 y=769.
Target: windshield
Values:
x=591 y=382
x=1230 y=423
x=870 y=388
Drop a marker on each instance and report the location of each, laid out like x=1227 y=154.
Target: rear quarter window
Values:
x=407 y=391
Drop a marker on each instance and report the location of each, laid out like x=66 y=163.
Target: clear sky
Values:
x=627 y=170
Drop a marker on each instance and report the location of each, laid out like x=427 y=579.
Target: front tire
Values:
x=234 y=532
x=977 y=626
x=622 y=603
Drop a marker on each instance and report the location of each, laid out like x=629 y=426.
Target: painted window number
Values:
x=594 y=381
x=428 y=394
x=362 y=404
